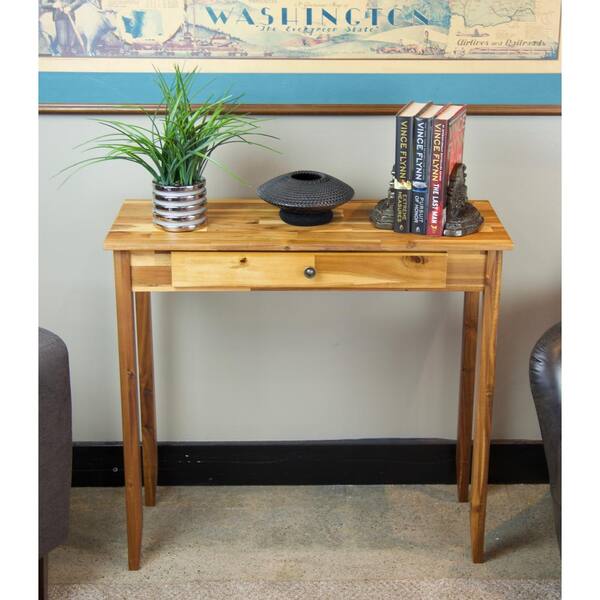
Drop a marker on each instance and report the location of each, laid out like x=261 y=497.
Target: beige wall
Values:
x=269 y=366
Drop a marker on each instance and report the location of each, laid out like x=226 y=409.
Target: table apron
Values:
x=345 y=271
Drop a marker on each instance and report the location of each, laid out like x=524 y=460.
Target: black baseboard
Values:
x=412 y=461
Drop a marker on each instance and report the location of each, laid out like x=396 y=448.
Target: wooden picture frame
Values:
x=310 y=109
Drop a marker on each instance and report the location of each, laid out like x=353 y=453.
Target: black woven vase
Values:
x=305 y=198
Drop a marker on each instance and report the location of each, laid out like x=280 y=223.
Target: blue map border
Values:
x=310 y=88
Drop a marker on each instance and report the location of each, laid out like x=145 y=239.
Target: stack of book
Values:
x=429 y=143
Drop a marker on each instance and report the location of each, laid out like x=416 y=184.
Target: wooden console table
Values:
x=245 y=247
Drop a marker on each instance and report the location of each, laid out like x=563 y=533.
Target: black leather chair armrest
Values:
x=545 y=379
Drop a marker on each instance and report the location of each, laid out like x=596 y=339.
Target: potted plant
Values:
x=175 y=148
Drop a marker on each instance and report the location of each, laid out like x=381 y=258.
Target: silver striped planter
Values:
x=179 y=207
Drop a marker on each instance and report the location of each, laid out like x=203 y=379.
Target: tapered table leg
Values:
x=485 y=393
x=129 y=407
x=143 y=319
x=466 y=394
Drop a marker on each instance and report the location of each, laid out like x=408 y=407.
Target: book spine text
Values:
x=419 y=194
x=419 y=209
x=437 y=177
x=402 y=174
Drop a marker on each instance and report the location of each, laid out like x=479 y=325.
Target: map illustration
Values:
x=408 y=29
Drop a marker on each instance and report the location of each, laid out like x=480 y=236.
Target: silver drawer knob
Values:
x=310 y=272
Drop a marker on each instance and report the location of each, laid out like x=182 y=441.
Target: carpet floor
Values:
x=321 y=542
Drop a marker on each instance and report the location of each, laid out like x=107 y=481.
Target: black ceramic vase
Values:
x=305 y=198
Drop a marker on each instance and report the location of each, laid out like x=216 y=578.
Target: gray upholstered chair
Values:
x=55 y=447
x=544 y=375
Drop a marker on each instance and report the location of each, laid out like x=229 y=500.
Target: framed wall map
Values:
x=301 y=56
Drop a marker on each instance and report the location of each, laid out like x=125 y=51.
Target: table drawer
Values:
x=295 y=270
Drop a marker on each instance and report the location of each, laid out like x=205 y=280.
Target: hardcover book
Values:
x=403 y=164
x=419 y=196
x=447 y=150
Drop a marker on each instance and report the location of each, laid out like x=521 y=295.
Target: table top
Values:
x=253 y=225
